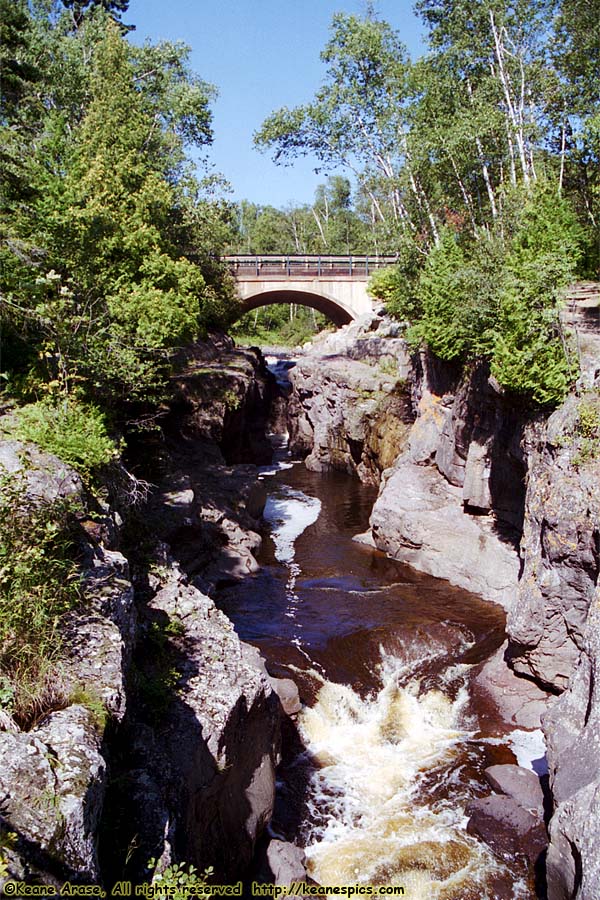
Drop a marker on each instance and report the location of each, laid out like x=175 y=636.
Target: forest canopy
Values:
x=478 y=165
x=110 y=242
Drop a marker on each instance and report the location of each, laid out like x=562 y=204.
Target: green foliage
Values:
x=75 y=432
x=38 y=586
x=587 y=431
x=102 y=195
x=333 y=224
x=588 y=412
x=8 y=840
x=358 y=116
x=92 y=701
x=532 y=355
x=279 y=325
x=181 y=881
x=441 y=325
x=498 y=297
x=156 y=675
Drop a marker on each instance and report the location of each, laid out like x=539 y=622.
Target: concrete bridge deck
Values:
x=334 y=285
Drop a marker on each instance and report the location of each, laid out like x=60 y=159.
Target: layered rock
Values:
x=560 y=550
x=445 y=446
x=188 y=761
x=572 y=729
x=53 y=778
x=451 y=505
x=222 y=398
x=350 y=408
x=418 y=519
x=198 y=778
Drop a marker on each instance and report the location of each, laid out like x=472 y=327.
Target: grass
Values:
x=587 y=430
x=39 y=584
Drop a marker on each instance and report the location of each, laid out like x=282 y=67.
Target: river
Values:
x=388 y=749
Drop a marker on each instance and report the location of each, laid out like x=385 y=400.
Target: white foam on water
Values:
x=289 y=513
x=371 y=823
x=274 y=468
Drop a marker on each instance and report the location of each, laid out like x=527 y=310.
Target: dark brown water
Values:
x=386 y=754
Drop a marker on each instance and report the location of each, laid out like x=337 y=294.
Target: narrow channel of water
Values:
x=384 y=757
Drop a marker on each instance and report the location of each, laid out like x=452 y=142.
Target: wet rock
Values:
x=287 y=691
x=522 y=785
x=572 y=729
x=507 y=827
x=286 y=863
x=518 y=701
x=418 y=519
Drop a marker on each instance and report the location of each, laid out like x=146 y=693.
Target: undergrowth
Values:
x=73 y=431
x=39 y=583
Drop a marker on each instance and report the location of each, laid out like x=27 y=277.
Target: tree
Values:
x=115 y=8
x=439 y=294
x=358 y=118
x=98 y=293
x=532 y=354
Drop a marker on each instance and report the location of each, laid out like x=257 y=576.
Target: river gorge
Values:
x=343 y=665
x=389 y=746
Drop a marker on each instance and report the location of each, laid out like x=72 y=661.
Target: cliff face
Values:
x=572 y=730
x=444 y=447
x=560 y=550
x=350 y=408
x=168 y=738
x=446 y=507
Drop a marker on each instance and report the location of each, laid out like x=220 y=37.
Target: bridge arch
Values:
x=335 y=310
x=334 y=285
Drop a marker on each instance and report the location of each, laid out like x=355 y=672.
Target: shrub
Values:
x=75 y=432
x=181 y=881
x=440 y=293
x=397 y=291
x=38 y=585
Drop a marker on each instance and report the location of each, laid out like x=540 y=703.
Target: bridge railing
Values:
x=309 y=266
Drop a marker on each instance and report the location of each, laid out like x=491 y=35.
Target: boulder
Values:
x=518 y=702
x=520 y=784
x=507 y=827
x=286 y=862
x=52 y=782
x=287 y=691
x=42 y=477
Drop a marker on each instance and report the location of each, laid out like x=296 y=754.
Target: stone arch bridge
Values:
x=333 y=285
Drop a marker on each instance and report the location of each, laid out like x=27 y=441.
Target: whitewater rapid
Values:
x=377 y=765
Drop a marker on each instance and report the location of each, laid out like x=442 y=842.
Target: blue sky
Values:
x=260 y=54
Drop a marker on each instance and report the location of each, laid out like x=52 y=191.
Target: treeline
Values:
x=478 y=165
x=337 y=222
x=109 y=242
